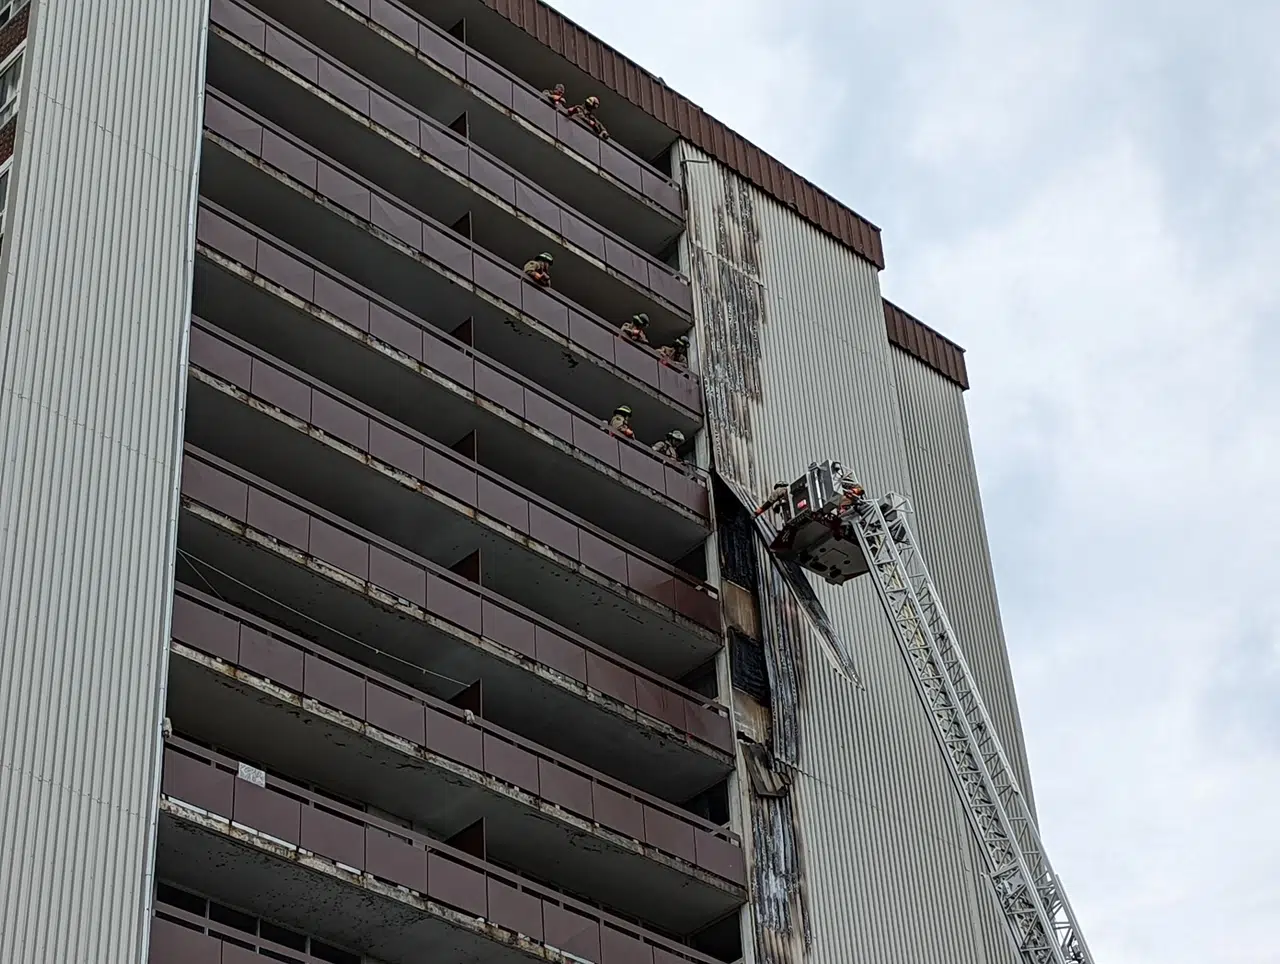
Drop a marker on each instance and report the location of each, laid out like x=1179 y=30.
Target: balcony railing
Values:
x=181 y=937
x=255 y=253
x=448 y=479
x=456 y=259
x=315 y=71
x=360 y=560
x=453 y=60
x=209 y=792
x=250 y=645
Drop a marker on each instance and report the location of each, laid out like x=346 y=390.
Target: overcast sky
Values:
x=1086 y=196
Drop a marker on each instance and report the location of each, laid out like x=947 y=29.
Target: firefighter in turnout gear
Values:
x=776 y=499
x=633 y=330
x=539 y=270
x=669 y=447
x=621 y=421
x=555 y=96
x=586 y=113
x=676 y=353
x=851 y=492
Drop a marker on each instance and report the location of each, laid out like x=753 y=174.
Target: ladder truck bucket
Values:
x=829 y=526
x=805 y=600
x=816 y=529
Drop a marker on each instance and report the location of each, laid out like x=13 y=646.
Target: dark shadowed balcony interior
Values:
x=592 y=269
x=493 y=35
x=455 y=903
x=578 y=366
x=443 y=408
x=438 y=781
x=540 y=696
x=627 y=621
x=567 y=160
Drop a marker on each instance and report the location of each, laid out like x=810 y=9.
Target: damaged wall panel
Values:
x=869 y=846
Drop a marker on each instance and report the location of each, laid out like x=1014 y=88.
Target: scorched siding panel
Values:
x=869 y=858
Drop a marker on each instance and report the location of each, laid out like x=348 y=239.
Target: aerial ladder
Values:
x=831 y=527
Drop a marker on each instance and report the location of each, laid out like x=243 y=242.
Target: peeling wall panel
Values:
x=97 y=281
x=796 y=364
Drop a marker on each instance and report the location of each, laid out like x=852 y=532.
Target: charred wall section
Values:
x=723 y=257
x=860 y=849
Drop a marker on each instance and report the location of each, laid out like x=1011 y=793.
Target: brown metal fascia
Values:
x=918 y=340
x=632 y=82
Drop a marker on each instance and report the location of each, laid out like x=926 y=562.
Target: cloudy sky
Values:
x=1087 y=197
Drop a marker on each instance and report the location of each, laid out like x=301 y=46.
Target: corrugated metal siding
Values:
x=916 y=338
x=953 y=536
x=796 y=366
x=629 y=80
x=949 y=524
x=92 y=329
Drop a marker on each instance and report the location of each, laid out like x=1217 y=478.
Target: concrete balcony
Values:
x=334 y=328
x=277 y=422
x=365 y=598
x=282 y=702
x=404 y=53
x=271 y=179
x=182 y=935
x=312 y=95
x=311 y=863
x=486 y=30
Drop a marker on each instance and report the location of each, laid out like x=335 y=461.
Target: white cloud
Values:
x=1085 y=197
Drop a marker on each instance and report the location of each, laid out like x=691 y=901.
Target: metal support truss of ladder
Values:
x=1028 y=891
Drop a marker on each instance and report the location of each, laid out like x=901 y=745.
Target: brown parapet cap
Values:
x=920 y=341
x=629 y=80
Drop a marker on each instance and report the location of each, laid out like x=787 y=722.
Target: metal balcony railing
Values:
x=250 y=645
x=313 y=69
x=448 y=478
x=492 y=83
x=249 y=250
x=353 y=558
x=215 y=794
x=453 y=257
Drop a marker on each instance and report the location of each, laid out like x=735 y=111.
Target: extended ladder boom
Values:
x=1028 y=891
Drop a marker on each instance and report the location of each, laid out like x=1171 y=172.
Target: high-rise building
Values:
x=338 y=623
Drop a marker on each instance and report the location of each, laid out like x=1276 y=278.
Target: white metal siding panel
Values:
x=949 y=524
x=800 y=370
x=953 y=536
x=97 y=279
